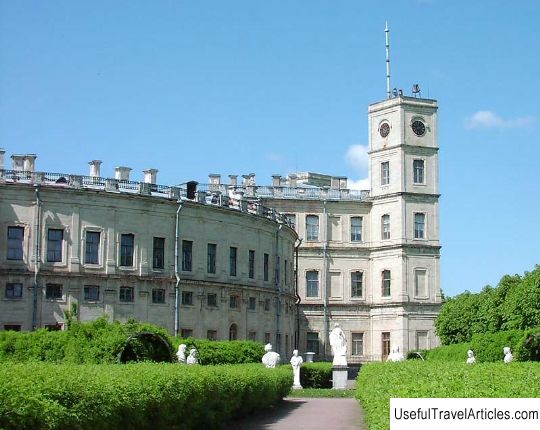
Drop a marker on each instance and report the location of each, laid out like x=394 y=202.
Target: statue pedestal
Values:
x=339 y=377
x=297 y=387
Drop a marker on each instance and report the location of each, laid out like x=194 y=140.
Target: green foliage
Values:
x=488 y=347
x=134 y=396
x=93 y=342
x=513 y=304
x=316 y=375
x=224 y=352
x=528 y=348
x=378 y=382
x=455 y=352
x=322 y=392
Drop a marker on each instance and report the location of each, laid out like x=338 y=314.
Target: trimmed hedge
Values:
x=454 y=352
x=134 y=396
x=224 y=352
x=378 y=382
x=316 y=375
x=488 y=347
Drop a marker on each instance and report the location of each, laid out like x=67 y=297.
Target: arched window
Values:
x=233 y=332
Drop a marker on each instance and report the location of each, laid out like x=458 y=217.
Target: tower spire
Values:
x=386 y=31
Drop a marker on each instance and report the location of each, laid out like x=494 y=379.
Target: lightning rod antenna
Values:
x=386 y=31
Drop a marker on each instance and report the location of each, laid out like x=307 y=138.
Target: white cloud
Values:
x=488 y=119
x=357 y=157
x=361 y=184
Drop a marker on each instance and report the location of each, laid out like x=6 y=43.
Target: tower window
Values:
x=386 y=283
x=356 y=229
x=419 y=225
x=385 y=227
x=356 y=284
x=385 y=173
x=418 y=171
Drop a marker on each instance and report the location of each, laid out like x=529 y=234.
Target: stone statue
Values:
x=338 y=342
x=181 y=353
x=296 y=363
x=192 y=359
x=508 y=357
x=271 y=359
x=470 y=357
x=395 y=356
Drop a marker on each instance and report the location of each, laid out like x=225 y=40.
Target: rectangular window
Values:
x=91 y=293
x=285 y=274
x=312 y=283
x=12 y=327
x=234 y=302
x=312 y=342
x=14 y=291
x=265 y=266
x=127 y=294
x=356 y=229
x=158 y=295
x=252 y=335
x=385 y=227
x=15 y=243
x=266 y=305
x=55 y=241
x=419 y=225
x=267 y=337
x=420 y=285
x=91 y=255
x=233 y=253
x=53 y=292
x=211 y=258
x=312 y=227
x=251 y=263
x=418 y=171
x=252 y=303
x=187 y=254
x=278 y=274
x=291 y=220
x=357 y=343
x=187 y=298
x=385 y=283
x=385 y=173
x=385 y=337
x=186 y=332
x=357 y=280
x=158 y=257
x=211 y=300
x=211 y=334
x=127 y=246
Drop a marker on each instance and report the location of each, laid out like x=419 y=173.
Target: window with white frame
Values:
x=385 y=173
x=385 y=281
x=418 y=171
x=92 y=241
x=312 y=283
x=15 y=236
x=356 y=229
x=357 y=340
x=385 y=227
x=420 y=282
x=312 y=227
x=357 y=283
x=419 y=225
x=127 y=249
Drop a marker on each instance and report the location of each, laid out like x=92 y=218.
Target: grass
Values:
x=322 y=392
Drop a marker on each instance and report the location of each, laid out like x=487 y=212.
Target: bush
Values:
x=134 y=396
x=488 y=347
x=456 y=352
x=224 y=352
x=528 y=348
x=316 y=375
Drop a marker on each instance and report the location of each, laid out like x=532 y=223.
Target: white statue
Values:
x=192 y=359
x=181 y=353
x=296 y=363
x=470 y=357
x=508 y=357
x=271 y=359
x=395 y=356
x=338 y=342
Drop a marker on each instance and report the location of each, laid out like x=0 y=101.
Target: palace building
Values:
x=237 y=260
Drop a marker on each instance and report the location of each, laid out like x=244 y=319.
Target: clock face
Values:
x=418 y=128
x=384 y=129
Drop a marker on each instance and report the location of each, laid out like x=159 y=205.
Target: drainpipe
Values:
x=276 y=273
x=37 y=255
x=324 y=281
x=177 y=270
x=298 y=299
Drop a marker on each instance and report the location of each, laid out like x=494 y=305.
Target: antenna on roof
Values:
x=386 y=31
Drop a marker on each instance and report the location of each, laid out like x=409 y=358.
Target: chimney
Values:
x=29 y=162
x=214 y=179
x=276 y=180
x=18 y=162
x=292 y=180
x=2 y=152
x=95 y=168
x=122 y=173
x=233 y=180
x=150 y=175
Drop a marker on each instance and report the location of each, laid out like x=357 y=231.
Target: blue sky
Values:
x=234 y=87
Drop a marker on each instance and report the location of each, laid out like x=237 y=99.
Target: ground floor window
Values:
x=312 y=342
x=357 y=343
x=385 y=345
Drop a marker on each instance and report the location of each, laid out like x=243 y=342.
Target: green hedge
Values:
x=454 y=352
x=488 y=347
x=528 y=348
x=134 y=396
x=316 y=375
x=378 y=382
x=224 y=352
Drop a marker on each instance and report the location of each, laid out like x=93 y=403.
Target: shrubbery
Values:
x=316 y=375
x=378 y=382
x=488 y=347
x=456 y=352
x=134 y=396
x=224 y=352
